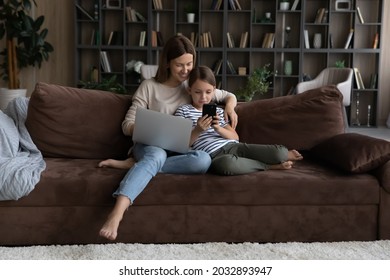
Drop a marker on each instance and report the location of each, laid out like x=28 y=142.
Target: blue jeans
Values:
x=151 y=160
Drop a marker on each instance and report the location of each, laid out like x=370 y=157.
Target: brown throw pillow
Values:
x=353 y=152
x=78 y=123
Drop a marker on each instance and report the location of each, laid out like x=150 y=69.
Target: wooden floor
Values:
x=382 y=132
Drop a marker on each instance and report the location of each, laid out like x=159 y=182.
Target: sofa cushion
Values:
x=296 y=121
x=352 y=152
x=77 y=123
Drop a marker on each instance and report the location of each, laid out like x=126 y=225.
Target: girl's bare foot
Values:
x=282 y=166
x=294 y=155
x=121 y=164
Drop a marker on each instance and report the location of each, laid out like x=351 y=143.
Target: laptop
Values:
x=169 y=132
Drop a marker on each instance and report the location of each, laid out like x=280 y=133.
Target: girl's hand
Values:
x=215 y=123
x=204 y=123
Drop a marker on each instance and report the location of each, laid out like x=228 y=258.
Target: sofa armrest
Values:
x=353 y=152
x=382 y=173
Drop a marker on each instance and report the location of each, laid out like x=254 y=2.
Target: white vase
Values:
x=284 y=6
x=7 y=95
x=288 y=67
x=190 y=17
x=317 y=41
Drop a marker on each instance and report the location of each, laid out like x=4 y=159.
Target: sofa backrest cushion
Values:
x=78 y=123
x=296 y=121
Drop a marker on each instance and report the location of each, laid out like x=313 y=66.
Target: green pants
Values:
x=241 y=158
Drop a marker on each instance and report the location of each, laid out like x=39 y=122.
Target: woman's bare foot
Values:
x=294 y=155
x=282 y=166
x=110 y=228
x=121 y=164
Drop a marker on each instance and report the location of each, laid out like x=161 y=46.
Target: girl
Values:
x=217 y=137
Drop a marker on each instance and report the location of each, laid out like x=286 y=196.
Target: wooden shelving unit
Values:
x=333 y=27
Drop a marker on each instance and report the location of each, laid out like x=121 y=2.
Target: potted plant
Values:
x=190 y=11
x=258 y=83
x=284 y=5
x=107 y=84
x=340 y=63
x=25 y=43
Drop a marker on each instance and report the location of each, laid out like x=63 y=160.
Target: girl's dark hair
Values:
x=175 y=47
x=202 y=73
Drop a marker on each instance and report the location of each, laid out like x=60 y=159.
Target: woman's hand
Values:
x=231 y=115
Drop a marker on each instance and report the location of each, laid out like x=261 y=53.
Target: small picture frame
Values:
x=343 y=5
x=113 y=4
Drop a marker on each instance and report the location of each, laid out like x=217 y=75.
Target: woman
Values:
x=164 y=93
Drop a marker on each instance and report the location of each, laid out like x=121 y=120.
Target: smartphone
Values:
x=209 y=109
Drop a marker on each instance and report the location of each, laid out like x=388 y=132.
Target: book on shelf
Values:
x=244 y=40
x=85 y=12
x=230 y=40
x=105 y=62
x=234 y=5
x=160 y=39
x=360 y=16
x=157 y=39
x=93 y=37
x=133 y=15
x=320 y=15
x=294 y=5
x=205 y=40
x=139 y=16
x=194 y=38
x=142 y=38
x=230 y=67
x=210 y=39
x=373 y=81
x=216 y=5
x=115 y=38
x=325 y=16
x=238 y=5
x=349 y=39
x=112 y=38
x=217 y=67
x=157 y=4
x=358 y=78
x=306 y=35
x=154 y=38
x=375 y=41
x=268 y=41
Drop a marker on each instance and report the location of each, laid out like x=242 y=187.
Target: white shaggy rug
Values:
x=377 y=250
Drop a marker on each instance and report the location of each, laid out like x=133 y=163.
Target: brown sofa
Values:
x=339 y=192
